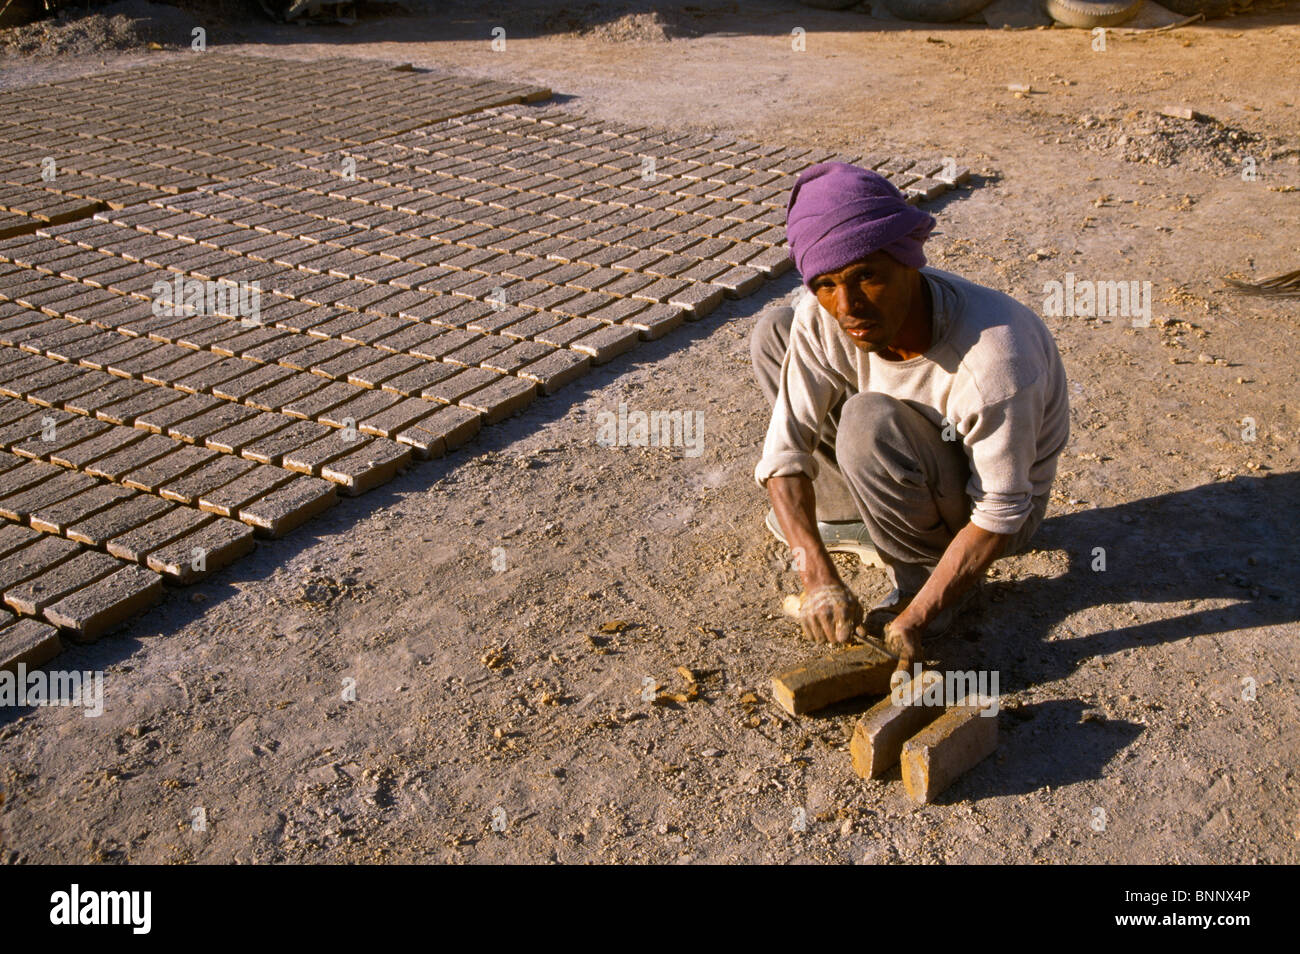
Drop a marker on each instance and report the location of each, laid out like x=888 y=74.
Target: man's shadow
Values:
x=1192 y=546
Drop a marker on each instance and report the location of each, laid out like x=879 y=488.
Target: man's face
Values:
x=870 y=299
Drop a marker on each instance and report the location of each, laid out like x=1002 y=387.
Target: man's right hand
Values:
x=829 y=613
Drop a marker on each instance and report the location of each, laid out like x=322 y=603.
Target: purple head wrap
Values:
x=839 y=214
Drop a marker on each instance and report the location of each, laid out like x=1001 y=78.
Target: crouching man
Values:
x=914 y=413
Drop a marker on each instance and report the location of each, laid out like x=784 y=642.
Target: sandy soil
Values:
x=498 y=712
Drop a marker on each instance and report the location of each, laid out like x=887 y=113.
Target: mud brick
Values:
x=73 y=432
x=556 y=369
x=196 y=429
x=312 y=406
x=32 y=596
x=356 y=358
x=452 y=389
x=233 y=439
x=879 y=735
x=367 y=467
x=738 y=281
x=372 y=375
x=444 y=344
x=271 y=449
x=289 y=506
x=55 y=395
x=340 y=325
x=161 y=420
x=81 y=454
x=953 y=743
x=205 y=379
x=310 y=458
x=499 y=400
x=36 y=558
x=426 y=374
x=52 y=373
x=29 y=642
x=656 y=321
x=365 y=404
x=606 y=343
x=95 y=609
x=245 y=385
x=537 y=324
x=276 y=350
x=59 y=516
x=126 y=409
x=442 y=431
x=478 y=351
x=189 y=362
x=413 y=338
x=277 y=396
x=211 y=546
x=256 y=482
x=127 y=350
x=698 y=299
x=237 y=338
x=209 y=477
x=18 y=505
x=562 y=335
x=772 y=261
x=28 y=474
x=14 y=537
x=861 y=670
x=397 y=417
x=31 y=426
x=117 y=465
x=138 y=542
x=374 y=330
x=180 y=461
x=317 y=353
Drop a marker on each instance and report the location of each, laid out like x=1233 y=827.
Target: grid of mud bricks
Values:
x=116 y=138
x=411 y=291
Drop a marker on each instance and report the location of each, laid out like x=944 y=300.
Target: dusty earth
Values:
x=1149 y=709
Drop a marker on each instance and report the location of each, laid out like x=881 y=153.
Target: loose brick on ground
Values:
x=879 y=735
x=857 y=671
x=32 y=596
x=206 y=550
x=289 y=506
x=117 y=519
x=93 y=610
x=937 y=755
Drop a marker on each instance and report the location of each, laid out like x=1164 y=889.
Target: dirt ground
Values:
x=1150 y=709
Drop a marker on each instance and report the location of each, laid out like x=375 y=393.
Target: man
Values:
x=913 y=412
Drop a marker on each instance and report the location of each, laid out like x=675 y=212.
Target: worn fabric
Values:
x=992 y=380
x=839 y=214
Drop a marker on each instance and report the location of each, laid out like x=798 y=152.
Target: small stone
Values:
x=711 y=753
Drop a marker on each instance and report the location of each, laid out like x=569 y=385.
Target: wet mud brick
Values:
x=859 y=671
x=28 y=474
x=211 y=547
x=36 y=558
x=136 y=544
x=879 y=735
x=115 y=520
x=289 y=506
x=93 y=610
x=31 y=597
x=59 y=516
x=953 y=743
x=27 y=641
x=189 y=487
x=74 y=432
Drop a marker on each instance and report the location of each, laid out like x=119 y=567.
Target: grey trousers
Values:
x=882 y=462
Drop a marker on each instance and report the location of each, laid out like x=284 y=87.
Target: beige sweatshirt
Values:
x=992 y=371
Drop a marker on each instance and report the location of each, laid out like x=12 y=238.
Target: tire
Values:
x=1092 y=13
x=935 y=11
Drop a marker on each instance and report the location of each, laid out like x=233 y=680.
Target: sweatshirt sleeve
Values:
x=1001 y=443
x=809 y=389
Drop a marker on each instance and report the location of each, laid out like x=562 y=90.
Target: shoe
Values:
x=847 y=537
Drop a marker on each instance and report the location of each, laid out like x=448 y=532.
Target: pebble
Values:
x=711 y=753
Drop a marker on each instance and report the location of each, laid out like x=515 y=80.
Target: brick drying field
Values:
x=414 y=273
